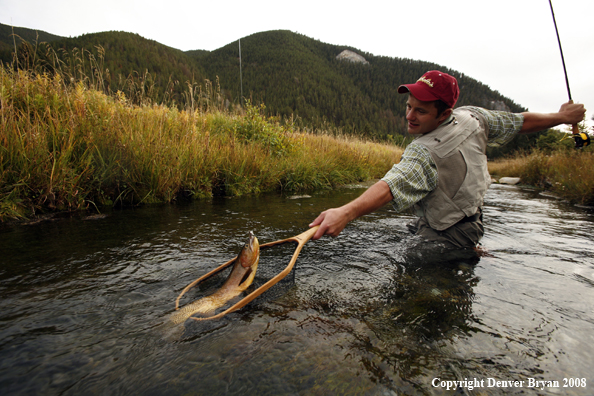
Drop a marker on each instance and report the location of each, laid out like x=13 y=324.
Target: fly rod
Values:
x=574 y=127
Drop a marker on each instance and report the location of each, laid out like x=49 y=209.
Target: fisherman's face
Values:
x=422 y=116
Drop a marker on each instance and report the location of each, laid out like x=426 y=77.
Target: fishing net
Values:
x=273 y=260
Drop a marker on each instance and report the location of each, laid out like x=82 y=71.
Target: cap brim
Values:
x=403 y=89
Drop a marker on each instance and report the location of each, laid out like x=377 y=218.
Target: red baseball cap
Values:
x=434 y=85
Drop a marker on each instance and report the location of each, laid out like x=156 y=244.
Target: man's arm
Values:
x=333 y=221
x=569 y=113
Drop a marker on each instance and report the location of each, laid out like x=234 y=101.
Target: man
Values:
x=443 y=172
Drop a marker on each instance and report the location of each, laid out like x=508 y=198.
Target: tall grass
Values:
x=568 y=174
x=67 y=145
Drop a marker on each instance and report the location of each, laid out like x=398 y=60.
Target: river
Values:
x=84 y=299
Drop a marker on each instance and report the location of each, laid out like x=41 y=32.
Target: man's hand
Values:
x=573 y=111
x=331 y=222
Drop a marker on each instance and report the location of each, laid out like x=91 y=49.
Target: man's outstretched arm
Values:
x=569 y=113
x=333 y=221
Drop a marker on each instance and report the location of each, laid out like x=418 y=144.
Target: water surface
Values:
x=83 y=301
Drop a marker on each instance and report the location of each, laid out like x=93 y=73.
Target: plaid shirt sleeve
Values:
x=412 y=178
x=503 y=126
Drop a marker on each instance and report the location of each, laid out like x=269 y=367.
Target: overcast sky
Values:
x=509 y=45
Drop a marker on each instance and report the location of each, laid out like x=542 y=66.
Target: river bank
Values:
x=565 y=173
x=68 y=147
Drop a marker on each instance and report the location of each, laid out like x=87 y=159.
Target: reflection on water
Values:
x=84 y=301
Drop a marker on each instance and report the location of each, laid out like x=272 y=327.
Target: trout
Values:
x=241 y=277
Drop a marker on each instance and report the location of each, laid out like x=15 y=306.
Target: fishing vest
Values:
x=459 y=151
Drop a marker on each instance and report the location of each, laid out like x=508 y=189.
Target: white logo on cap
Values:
x=426 y=81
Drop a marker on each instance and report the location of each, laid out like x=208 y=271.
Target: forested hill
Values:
x=10 y=36
x=293 y=75
x=123 y=59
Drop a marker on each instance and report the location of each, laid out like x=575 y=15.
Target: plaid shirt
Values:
x=415 y=176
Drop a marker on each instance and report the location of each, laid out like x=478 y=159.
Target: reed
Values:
x=567 y=173
x=66 y=145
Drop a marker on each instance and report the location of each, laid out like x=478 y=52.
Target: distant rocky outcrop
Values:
x=495 y=105
x=351 y=57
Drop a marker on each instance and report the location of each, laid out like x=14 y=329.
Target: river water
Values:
x=83 y=301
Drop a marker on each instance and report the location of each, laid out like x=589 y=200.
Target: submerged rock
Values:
x=299 y=196
x=509 y=180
